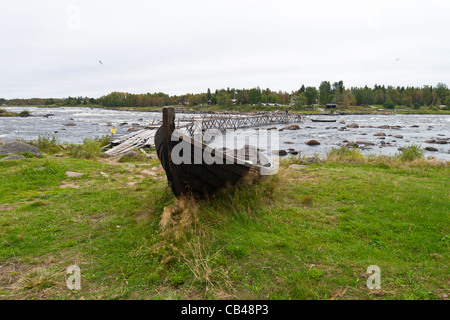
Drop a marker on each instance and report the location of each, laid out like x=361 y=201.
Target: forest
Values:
x=327 y=92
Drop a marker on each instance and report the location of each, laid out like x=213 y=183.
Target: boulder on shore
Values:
x=19 y=147
x=13 y=157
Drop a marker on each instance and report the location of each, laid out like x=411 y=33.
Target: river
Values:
x=92 y=122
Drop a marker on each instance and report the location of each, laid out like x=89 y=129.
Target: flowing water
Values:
x=92 y=122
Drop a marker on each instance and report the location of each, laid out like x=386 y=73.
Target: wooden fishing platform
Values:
x=239 y=121
x=197 y=124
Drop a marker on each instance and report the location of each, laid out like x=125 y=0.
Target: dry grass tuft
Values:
x=177 y=218
x=307 y=201
x=201 y=262
x=38 y=279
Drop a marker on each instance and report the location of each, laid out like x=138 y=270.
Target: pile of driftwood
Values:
x=138 y=139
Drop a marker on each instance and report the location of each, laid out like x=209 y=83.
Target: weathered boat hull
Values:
x=196 y=175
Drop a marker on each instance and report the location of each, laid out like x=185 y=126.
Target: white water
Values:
x=91 y=122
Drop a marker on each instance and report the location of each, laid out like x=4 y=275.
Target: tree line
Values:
x=327 y=92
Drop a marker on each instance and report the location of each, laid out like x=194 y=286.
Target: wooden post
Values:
x=168 y=124
x=170 y=168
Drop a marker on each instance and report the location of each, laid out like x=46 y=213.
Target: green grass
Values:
x=307 y=233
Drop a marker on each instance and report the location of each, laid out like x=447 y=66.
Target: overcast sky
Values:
x=52 y=48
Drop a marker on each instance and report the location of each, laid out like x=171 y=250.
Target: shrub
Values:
x=24 y=113
x=47 y=144
x=389 y=105
x=411 y=152
x=91 y=147
x=345 y=153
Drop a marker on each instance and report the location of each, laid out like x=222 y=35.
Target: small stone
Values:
x=148 y=173
x=72 y=174
x=298 y=166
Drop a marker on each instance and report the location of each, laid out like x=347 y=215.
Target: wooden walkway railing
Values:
x=238 y=121
x=192 y=125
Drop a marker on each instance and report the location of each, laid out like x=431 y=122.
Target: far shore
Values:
x=247 y=109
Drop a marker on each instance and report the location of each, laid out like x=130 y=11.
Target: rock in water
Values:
x=279 y=152
x=353 y=125
x=292 y=127
x=312 y=142
x=19 y=147
x=352 y=145
x=431 y=149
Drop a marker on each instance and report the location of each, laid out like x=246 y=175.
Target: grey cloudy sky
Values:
x=52 y=48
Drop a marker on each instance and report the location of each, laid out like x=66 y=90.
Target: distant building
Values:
x=331 y=105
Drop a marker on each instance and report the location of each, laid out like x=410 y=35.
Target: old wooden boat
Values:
x=323 y=120
x=191 y=174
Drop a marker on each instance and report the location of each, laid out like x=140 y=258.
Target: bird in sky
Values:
x=398 y=59
x=100 y=61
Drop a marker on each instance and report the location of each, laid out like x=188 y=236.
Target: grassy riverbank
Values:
x=307 y=233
